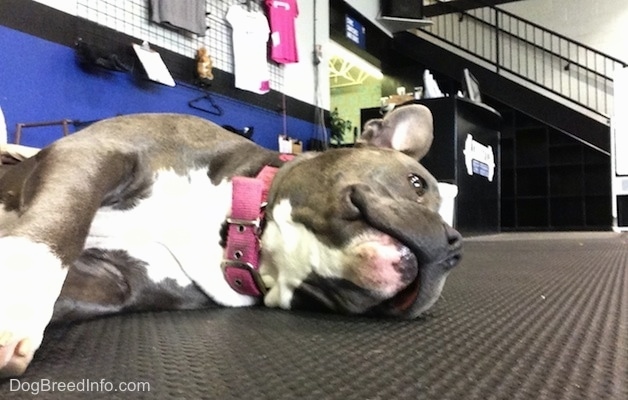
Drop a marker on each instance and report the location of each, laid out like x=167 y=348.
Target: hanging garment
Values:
x=250 y=40
x=282 y=15
x=184 y=14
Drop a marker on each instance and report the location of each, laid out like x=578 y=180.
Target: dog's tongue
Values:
x=406 y=298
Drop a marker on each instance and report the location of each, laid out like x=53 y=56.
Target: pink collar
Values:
x=240 y=264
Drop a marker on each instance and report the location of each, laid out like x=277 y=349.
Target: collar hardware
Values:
x=240 y=264
x=247 y=269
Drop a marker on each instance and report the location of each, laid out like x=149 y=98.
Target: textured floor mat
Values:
x=523 y=317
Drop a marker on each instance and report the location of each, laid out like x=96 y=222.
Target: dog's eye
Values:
x=419 y=184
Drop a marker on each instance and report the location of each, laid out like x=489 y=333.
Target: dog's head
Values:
x=358 y=230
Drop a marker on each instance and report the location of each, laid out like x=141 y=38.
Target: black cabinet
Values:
x=465 y=152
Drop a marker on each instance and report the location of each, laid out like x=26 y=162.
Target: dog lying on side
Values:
x=164 y=212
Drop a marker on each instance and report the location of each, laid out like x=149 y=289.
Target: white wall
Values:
x=299 y=79
x=619 y=145
x=600 y=24
x=67 y=6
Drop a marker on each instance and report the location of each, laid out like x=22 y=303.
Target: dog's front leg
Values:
x=52 y=200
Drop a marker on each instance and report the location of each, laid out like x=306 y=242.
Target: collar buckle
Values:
x=240 y=265
x=243 y=276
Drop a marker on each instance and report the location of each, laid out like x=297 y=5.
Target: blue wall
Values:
x=41 y=81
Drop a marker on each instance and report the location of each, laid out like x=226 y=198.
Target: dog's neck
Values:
x=240 y=263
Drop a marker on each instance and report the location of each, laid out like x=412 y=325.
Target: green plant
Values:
x=338 y=126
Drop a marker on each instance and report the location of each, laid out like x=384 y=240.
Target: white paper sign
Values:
x=479 y=159
x=153 y=65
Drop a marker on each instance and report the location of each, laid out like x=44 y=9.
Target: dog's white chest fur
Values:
x=176 y=231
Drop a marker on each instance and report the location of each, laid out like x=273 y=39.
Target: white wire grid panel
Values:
x=131 y=17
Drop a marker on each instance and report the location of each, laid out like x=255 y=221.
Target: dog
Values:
x=172 y=212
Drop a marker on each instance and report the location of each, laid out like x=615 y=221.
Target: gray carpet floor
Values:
x=525 y=316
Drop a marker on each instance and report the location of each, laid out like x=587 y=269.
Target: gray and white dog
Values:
x=135 y=212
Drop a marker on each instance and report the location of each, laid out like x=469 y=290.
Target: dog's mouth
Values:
x=427 y=246
x=406 y=298
x=407 y=269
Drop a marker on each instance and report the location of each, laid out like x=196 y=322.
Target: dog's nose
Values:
x=453 y=236
x=454 y=239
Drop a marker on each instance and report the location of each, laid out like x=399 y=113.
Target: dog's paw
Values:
x=31 y=278
x=15 y=354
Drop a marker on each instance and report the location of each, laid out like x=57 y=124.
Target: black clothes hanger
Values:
x=198 y=104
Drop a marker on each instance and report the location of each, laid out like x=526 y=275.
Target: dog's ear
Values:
x=408 y=129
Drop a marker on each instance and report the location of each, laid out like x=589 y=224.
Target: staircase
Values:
x=560 y=82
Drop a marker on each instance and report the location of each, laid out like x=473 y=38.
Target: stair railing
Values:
x=549 y=60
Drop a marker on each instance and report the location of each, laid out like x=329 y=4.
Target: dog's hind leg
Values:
x=55 y=195
x=103 y=282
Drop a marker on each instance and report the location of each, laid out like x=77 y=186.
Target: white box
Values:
x=448 y=193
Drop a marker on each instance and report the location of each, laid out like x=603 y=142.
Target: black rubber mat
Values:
x=524 y=317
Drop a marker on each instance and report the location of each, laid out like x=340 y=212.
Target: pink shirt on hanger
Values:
x=281 y=15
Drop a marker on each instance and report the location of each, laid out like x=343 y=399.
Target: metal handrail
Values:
x=558 y=35
x=572 y=70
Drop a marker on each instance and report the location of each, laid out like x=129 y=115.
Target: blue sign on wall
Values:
x=355 y=31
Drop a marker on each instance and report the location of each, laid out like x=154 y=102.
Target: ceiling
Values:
x=348 y=69
x=439 y=7
x=431 y=8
